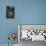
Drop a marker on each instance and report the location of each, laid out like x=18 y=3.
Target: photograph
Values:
x=30 y=33
x=9 y=11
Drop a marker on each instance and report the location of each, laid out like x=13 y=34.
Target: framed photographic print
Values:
x=33 y=32
x=10 y=11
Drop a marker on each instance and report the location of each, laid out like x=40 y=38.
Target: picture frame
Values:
x=10 y=13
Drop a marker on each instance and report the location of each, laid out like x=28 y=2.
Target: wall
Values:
x=26 y=12
x=31 y=11
x=6 y=25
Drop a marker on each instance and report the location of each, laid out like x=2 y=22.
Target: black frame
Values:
x=10 y=11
